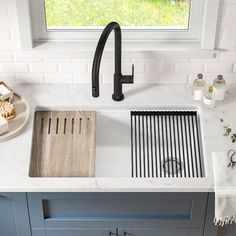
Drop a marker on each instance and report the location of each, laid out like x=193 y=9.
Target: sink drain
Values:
x=171 y=166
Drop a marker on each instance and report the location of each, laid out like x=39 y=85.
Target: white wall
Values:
x=69 y=66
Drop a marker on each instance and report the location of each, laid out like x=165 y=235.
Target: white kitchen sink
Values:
x=149 y=143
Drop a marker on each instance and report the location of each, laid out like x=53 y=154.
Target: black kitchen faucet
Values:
x=119 y=79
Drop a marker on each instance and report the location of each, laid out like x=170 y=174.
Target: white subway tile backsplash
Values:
x=11 y=2
x=225 y=45
x=230 y=10
x=5 y=35
x=73 y=68
x=139 y=67
x=160 y=68
x=27 y=57
x=8 y=78
x=69 y=66
x=15 y=67
x=227 y=2
x=5 y=57
x=82 y=79
x=43 y=67
x=189 y=67
x=56 y=60
x=200 y=59
x=174 y=79
x=107 y=78
x=229 y=34
x=228 y=57
x=14 y=34
x=85 y=60
x=11 y=10
x=3 y=10
x=29 y=78
x=149 y=78
x=7 y=22
x=59 y=78
x=227 y=22
x=218 y=67
x=230 y=79
x=60 y=56
x=106 y=67
x=153 y=67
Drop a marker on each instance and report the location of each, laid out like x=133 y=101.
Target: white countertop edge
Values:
x=113 y=185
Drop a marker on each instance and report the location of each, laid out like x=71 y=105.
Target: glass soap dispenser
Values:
x=209 y=97
x=219 y=85
x=199 y=85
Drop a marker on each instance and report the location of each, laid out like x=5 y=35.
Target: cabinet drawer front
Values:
x=84 y=209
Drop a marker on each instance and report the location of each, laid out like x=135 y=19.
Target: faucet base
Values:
x=118 y=97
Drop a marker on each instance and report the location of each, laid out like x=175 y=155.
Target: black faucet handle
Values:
x=128 y=79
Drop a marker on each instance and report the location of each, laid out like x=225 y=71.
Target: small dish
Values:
x=18 y=123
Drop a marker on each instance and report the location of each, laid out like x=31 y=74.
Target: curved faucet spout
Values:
x=119 y=79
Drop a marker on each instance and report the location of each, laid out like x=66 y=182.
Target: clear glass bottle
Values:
x=199 y=85
x=209 y=97
x=219 y=85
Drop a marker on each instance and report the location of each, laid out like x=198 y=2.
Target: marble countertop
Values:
x=15 y=153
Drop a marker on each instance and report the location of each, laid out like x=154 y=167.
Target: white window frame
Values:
x=202 y=27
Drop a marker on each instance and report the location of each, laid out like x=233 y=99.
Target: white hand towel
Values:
x=225 y=189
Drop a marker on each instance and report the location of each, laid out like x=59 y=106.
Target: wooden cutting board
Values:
x=63 y=144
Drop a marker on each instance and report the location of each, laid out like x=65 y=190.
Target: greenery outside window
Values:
x=141 y=20
x=77 y=14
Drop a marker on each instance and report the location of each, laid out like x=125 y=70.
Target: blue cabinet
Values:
x=14 y=219
x=75 y=232
x=161 y=232
x=107 y=214
x=102 y=214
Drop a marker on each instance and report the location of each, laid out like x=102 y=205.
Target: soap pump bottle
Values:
x=209 y=97
x=199 y=85
x=219 y=85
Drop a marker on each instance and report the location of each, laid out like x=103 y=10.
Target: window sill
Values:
x=181 y=48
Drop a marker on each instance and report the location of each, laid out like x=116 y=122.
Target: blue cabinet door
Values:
x=76 y=232
x=161 y=232
x=75 y=211
x=14 y=219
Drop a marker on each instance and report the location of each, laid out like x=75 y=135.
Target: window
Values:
x=77 y=14
x=141 y=20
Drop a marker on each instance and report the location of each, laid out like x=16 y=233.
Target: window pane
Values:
x=129 y=13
